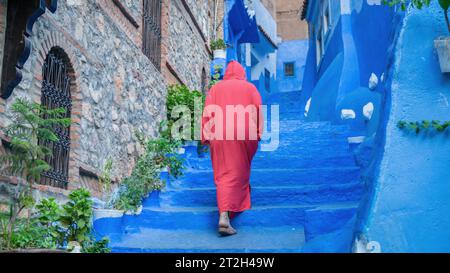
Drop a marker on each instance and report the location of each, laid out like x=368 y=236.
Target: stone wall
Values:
x=116 y=90
x=188 y=50
x=202 y=13
x=3 y=13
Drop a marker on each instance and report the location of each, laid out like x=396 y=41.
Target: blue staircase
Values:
x=304 y=196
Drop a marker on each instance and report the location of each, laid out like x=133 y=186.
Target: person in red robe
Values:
x=232 y=127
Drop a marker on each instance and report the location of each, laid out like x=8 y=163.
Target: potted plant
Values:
x=442 y=44
x=103 y=209
x=219 y=49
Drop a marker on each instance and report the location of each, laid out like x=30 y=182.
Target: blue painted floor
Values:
x=304 y=196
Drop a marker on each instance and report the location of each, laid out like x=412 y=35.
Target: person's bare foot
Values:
x=225 y=228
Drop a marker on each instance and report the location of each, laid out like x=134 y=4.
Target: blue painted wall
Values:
x=291 y=52
x=249 y=45
x=406 y=177
x=410 y=207
x=357 y=46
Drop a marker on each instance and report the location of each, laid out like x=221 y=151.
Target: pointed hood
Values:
x=235 y=71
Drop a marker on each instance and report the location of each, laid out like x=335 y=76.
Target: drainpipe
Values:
x=215 y=20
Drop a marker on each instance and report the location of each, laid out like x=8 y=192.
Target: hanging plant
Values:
x=420 y=126
x=419 y=4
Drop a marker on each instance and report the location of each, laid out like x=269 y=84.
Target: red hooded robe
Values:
x=231 y=158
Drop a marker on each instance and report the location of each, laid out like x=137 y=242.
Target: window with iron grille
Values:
x=151 y=37
x=56 y=83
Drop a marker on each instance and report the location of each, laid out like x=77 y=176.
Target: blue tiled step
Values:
x=275 y=177
x=150 y=240
x=265 y=196
x=207 y=217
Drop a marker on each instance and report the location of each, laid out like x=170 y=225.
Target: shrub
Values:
x=53 y=226
x=159 y=154
x=180 y=95
x=31 y=122
x=76 y=217
x=218 y=44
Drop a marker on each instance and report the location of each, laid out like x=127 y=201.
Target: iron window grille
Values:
x=151 y=37
x=56 y=83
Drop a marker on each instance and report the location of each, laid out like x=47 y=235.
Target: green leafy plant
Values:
x=48 y=216
x=26 y=236
x=216 y=76
x=105 y=178
x=159 y=154
x=420 y=126
x=180 y=95
x=76 y=217
x=419 y=4
x=100 y=246
x=53 y=226
x=218 y=44
x=32 y=124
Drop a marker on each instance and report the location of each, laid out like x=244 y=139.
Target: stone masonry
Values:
x=116 y=90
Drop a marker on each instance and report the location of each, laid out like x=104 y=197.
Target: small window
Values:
x=289 y=69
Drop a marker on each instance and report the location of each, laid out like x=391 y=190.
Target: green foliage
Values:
x=421 y=126
x=216 y=77
x=100 y=246
x=32 y=235
x=32 y=124
x=218 y=44
x=54 y=226
x=180 y=95
x=159 y=154
x=419 y=4
x=76 y=217
x=105 y=178
x=48 y=217
x=403 y=3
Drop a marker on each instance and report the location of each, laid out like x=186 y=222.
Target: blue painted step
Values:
x=308 y=188
x=151 y=240
x=294 y=162
x=204 y=218
x=267 y=196
x=274 y=177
